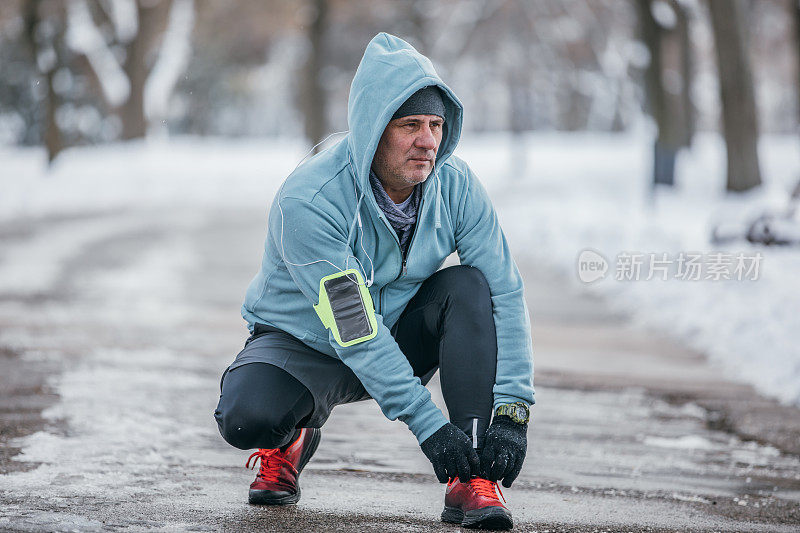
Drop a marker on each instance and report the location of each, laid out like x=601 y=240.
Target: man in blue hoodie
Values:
x=350 y=302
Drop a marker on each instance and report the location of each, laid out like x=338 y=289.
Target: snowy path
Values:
x=135 y=313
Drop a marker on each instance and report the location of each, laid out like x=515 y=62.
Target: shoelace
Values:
x=271 y=461
x=484 y=487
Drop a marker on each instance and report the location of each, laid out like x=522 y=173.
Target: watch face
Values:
x=521 y=413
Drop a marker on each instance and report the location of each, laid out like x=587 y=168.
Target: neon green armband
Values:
x=345 y=307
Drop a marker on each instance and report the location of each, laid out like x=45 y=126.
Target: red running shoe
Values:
x=475 y=505
x=276 y=481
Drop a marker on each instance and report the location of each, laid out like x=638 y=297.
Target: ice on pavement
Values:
x=126 y=409
x=687 y=442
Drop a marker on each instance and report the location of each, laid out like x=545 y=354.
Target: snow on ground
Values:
x=589 y=192
x=124 y=400
x=180 y=172
x=575 y=192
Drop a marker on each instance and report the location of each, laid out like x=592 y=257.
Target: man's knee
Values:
x=245 y=427
x=464 y=283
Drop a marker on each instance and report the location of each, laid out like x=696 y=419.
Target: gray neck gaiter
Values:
x=402 y=220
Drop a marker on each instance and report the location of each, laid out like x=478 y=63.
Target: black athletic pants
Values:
x=447 y=325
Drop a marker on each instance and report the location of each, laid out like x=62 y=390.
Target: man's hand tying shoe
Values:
x=504 y=450
x=451 y=453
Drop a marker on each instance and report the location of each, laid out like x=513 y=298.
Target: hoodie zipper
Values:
x=404 y=257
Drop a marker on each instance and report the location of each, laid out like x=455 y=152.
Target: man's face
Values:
x=407 y=150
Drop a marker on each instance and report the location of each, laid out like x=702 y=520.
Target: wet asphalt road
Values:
x=115 y=328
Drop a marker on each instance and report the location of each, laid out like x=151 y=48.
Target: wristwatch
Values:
x=517 y=411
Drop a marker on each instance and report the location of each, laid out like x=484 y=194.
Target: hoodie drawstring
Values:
x=357 y=220
x=438 y=216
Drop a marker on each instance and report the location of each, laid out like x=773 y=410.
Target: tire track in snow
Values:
x=33 y=266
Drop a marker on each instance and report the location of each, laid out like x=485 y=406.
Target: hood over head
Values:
x=391 y=71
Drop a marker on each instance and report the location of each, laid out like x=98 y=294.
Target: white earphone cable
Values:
x=369 y=281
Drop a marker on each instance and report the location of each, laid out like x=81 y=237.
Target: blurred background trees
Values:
x=76 y=72
x=87 y=71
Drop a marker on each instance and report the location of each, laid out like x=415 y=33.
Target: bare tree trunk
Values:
x=650 y=31
x=795 y=8
x=313 y=101
x=670 y=109
x=420 y=24
x=152 y=21
x=53 y=140
x=519 y=119
x=687 y=73
x=736 y=92
x=50 y=133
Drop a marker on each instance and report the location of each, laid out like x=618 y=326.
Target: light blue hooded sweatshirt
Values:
x=314 y=221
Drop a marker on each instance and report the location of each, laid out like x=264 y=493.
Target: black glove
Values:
x=504 y=450
x=451 y=453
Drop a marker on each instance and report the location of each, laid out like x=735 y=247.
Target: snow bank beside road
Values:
x=592 y=192
x=184 y=172
x=576 y=191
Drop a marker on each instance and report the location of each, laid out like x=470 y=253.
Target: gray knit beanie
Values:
x=426 y=101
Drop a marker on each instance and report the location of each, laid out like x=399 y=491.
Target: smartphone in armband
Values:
x=345 y=307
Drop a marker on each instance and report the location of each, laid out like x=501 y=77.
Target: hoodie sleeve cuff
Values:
x=501 y=399
x=425 y=421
